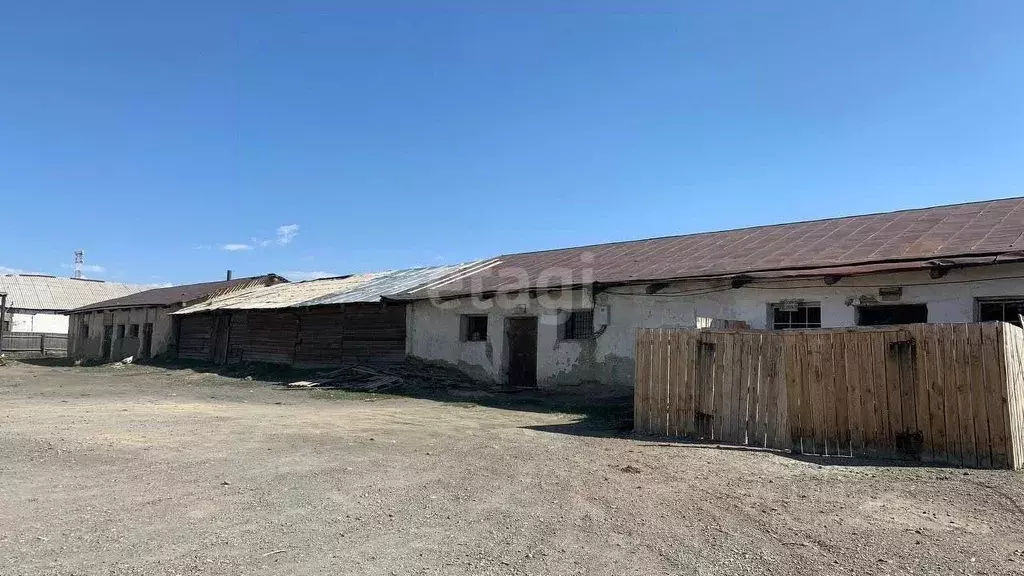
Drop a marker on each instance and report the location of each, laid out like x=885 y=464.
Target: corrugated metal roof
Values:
x=976 y=229
x=181 y=294
x=369 y=287
x=387 y=283
x=38 y=292
x=278 y=296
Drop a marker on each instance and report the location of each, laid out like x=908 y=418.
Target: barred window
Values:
x=1000 y=310
x=578 y=325
x=796 y=317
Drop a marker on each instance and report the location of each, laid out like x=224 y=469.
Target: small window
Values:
x=798 y=317
x=578 y=325
x=133 y=331
x=85 y=330
x=474 y=328
x=120 y=330
x=7 y=326
x=889 y=315
x=1000 y=310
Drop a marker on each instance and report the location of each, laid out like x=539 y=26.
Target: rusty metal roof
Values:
x=53 y=293
x=989 y=228
x=368 y=287
x=182 y=294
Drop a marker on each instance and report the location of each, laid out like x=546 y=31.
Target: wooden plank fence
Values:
x=35 y=344
x=947 y=393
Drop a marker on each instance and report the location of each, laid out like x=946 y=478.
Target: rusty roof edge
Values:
x=960 y=260
x=761 y=226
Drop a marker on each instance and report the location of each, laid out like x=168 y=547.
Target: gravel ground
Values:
x=142 y=470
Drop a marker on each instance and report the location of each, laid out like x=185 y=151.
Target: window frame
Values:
x=1003 y=300
x=774 y=306
x=564 y=321
x=464 y=327
x=120 y=331
x=133 y=330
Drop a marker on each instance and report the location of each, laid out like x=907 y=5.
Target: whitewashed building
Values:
x=569 y=317
x=40 y=304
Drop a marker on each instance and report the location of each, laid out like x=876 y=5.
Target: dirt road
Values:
x=141 y=470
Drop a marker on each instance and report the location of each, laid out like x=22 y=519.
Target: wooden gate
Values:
x=951 y=393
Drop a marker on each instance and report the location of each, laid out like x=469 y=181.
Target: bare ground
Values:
x=143 y=470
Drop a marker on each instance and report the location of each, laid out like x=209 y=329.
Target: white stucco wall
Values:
x=80 y=346
x=434 y=328
x=38 y=322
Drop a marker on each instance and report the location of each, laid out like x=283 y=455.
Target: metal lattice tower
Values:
x=79 y=260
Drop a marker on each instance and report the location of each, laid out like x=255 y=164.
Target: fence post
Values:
x=42 y=344
x=3 y=316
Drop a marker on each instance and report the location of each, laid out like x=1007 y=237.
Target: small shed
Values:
x=317 y=323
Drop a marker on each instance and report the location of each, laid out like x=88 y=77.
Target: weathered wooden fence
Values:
x=950 y=393
x=31 y=343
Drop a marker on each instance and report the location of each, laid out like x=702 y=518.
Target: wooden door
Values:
x=108 y=342
x=147 y=340
x=522 y=351
x=222 y=333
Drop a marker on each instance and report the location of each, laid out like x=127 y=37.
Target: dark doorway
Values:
x=108 y=341
x=221 y=331
x=892 y=314
x=522 y=351
x=147 y=340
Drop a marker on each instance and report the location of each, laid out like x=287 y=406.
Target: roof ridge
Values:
x=763 y=226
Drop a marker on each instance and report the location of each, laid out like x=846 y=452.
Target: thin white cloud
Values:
x=287 y=233
x=202 y=247
x=9 y=270
x=298 y=275
x=236 y=247
x=261 y=243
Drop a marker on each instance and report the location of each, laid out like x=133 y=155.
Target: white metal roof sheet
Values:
x=370 y=287
x=53 y=293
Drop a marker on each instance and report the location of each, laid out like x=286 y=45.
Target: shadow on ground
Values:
x=596 y=415
x=599 y=415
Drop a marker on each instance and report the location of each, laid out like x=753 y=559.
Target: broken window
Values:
x=578 y=325
x=796 y=316
x=133 y=331
x=1000 y=310
x=474 y=328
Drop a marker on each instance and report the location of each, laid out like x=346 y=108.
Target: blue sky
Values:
x=340 y=137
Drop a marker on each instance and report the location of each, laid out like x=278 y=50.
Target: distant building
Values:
x=140 y=324
x=38 y=303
